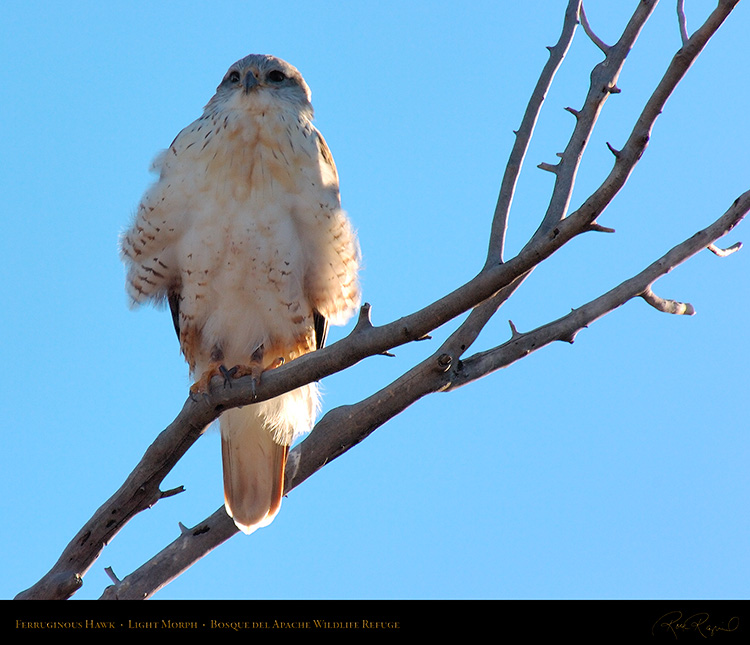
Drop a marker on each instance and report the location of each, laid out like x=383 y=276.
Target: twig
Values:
x=667 y=306
x=603 y=81
x=590 y=33
x=682 y=20
x=565 y=328
x=722 y=253
x=638 y=140
x=604 y=76
x=513 y=167
x=111 y=575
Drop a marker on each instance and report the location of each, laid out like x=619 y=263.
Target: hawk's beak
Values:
x=250 y=82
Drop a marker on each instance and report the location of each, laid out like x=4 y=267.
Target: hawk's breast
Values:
x=244 y=258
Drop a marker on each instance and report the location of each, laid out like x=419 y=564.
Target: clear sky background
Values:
x=616 y=467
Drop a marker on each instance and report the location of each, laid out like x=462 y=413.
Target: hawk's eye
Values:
x=233 y=77
x=275 y=76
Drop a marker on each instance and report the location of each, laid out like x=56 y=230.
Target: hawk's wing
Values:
x=321 y=329
x=148 y=247
x=173 y=298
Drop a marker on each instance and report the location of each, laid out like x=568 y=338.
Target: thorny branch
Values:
x=445 y=369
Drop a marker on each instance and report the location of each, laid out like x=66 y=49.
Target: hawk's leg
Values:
x=215 y=368
x=202 y=385
x=255 y=368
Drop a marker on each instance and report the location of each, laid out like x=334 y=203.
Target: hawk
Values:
x=243 y=235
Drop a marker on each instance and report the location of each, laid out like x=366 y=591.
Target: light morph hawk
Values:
x=243 y=235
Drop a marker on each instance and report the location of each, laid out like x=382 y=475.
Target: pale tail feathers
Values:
x=253 y=468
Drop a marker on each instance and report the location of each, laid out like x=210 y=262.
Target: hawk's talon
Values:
x=254 y=370
x=228 y=374
x=203 y=384
x=194 y=395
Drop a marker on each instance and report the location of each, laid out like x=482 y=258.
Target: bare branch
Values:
x=549 y=167
x=565 y=328
x=722 y=253
x=188 y=548
x=603 y=83
x=346 y=426
x=566 y=169
x=525 y=132
x=172 y=491
x=682 y=20
x=667 y=306
x=590 y=33
x=598 y=228
x=111 y=574
x=614 y=151
x=638 y=140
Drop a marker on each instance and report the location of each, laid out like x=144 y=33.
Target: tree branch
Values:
x=590 y=33
x=667 y=306
x=682 y=20
x=567 y=327
x=525 y=132
x=345 y=426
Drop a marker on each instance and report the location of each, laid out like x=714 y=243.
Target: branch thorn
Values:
x=111 y=574
x=613 y=150
x=722 y=253
x=570 y=338
x=171 y=492
x=363 y=321
x=667 y=306
x=600 y=229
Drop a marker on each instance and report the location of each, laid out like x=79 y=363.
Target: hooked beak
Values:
x=250 y=82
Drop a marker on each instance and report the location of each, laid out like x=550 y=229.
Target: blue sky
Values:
x=615 y=467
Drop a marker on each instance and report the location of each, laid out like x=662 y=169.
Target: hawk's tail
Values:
x=253 y=468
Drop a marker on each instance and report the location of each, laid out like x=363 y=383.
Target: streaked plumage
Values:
x=244 y=236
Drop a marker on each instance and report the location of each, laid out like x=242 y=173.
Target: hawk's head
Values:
x=259 y=82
